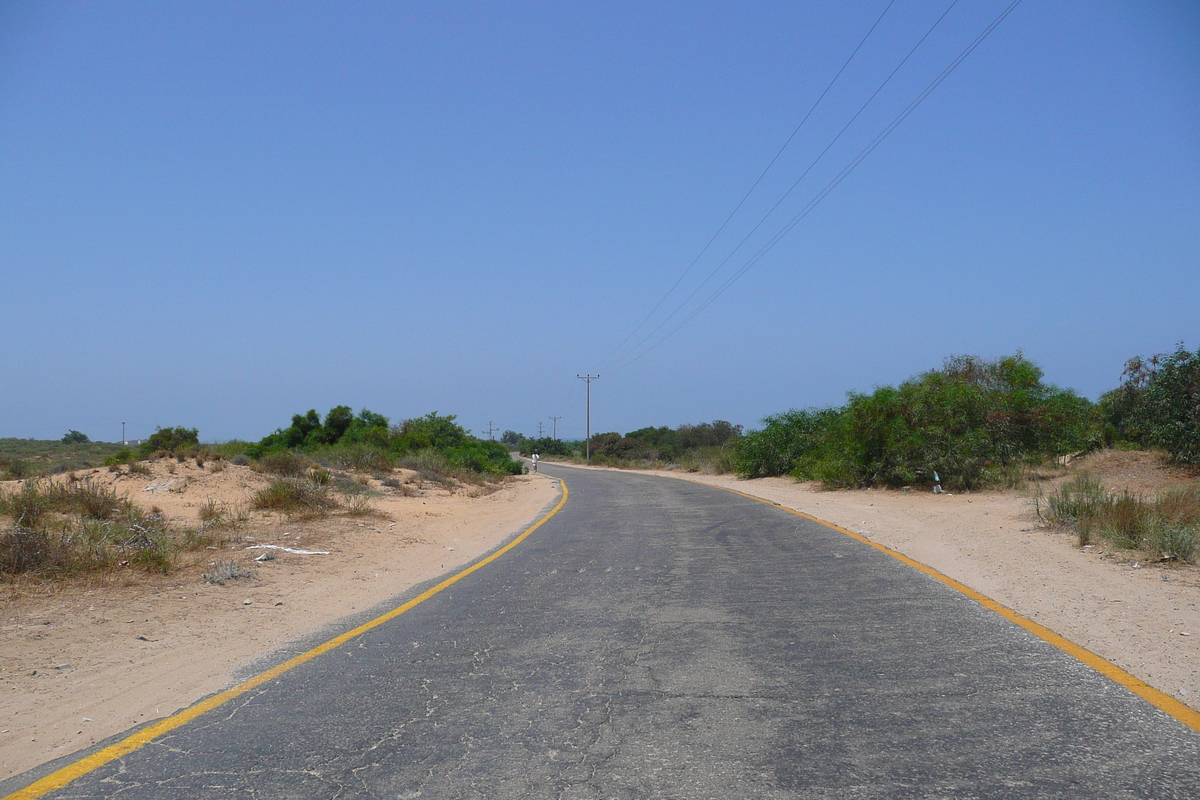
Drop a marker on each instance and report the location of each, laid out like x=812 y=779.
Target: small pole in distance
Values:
x=555 y=434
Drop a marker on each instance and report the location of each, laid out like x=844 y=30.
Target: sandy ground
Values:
x=80 y=663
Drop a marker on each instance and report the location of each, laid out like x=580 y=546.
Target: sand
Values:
x=83 y=662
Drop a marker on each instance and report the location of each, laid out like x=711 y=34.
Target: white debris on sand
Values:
x=288 y=550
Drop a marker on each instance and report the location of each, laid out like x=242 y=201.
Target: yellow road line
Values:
x=61 y=777
x=1164 y=702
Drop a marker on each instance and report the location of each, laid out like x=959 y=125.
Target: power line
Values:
x=829 y=187
x=796 y=183
x=753 y=186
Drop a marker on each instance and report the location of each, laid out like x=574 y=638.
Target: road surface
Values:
x=662 y=639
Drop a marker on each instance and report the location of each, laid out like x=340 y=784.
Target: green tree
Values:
x=75 y=437
x=171 y=439
x=1158 y=404
x=433 y=430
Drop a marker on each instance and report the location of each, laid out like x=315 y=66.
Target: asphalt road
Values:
x=661 y=639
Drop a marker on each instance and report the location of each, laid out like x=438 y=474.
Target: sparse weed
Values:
x=1167 y=527
x=359 y=505
x=138 y=468
x=1174 y=542
x=284 y=462
x=295 y=496
x=224 y=571
x=210 y=510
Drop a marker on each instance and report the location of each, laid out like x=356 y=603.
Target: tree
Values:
x=1158 y=404
x=75 y=437
x=171 y=439
x=433 y=430
x=511 y=437
x=337 y=422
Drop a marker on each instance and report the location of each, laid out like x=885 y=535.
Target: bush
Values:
x=1158 y=404
x=128 y=537
x=354 y=456
x=284 y=462
x=969 y=422
x=170 y=439
x=546 y=446
x=785 y=443
x=292 y=496
x=75 y=437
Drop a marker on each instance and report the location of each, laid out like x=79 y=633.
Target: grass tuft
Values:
x=1166 y=528
x=225 y=571
x=295 y=496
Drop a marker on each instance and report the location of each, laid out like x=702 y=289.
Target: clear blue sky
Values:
x=219 y=214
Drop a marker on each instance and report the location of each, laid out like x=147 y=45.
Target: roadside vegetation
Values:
x=970 y=424
x=29 y=458
x=63 y=527
x=1165 y=527
x=704 y=447
x=317 y=466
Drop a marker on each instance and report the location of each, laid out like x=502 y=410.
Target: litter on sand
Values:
x=288 y=550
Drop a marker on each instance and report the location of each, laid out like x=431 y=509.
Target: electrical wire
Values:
x=786 y=194
x=829 y=187
x=754 y=186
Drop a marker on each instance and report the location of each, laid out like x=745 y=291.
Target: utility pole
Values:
x=555 y=434
x=588 y=442
x=122 y=433
x=541 y=433
x=491 y=429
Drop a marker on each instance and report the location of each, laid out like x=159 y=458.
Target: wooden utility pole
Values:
x=588 y=442
x=555 y=434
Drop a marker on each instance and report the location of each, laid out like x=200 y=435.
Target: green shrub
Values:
x=546 y=446
x=1158 y=404
x=89 y=543
x=968 y=422
x=171 y=439
x=16 y=469
x=354 y=456
x=75 y=437
x=788 y=442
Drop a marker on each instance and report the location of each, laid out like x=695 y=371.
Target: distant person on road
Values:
x=534 y=458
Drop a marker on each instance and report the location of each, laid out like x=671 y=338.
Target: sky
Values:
x=220 y=214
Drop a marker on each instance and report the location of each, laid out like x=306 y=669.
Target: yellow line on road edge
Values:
x=62 y=777
x=1164 y=702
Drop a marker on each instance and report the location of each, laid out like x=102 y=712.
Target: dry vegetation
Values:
x=108 y=521
x=1130 y=501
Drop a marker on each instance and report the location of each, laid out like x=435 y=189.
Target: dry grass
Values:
x=1165 y=527
x=295 y=497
